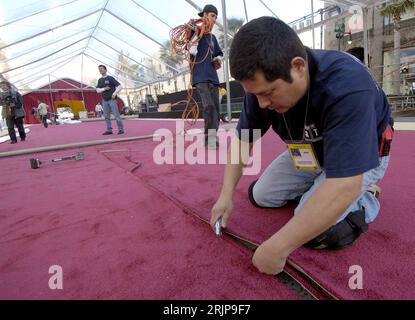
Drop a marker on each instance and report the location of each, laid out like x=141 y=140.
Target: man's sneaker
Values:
x=375 y=189
x=121 y=132
x=107 y=133
x=13 y=142
x=22 y=139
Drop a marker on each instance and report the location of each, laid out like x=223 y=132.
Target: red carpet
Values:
x=109 y=232
x=384 y=252
x=113 y=237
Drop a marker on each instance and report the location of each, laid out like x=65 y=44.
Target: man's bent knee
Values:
x=259 y=201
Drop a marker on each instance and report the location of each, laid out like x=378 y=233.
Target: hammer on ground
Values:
x=35 y=163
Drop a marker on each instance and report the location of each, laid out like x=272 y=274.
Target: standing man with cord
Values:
x=207 y=58
x=336 y=122
x=109 y=88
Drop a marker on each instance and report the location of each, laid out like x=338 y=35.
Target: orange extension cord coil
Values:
x=182 y=38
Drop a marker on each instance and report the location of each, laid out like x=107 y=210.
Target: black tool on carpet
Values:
x=35 y=163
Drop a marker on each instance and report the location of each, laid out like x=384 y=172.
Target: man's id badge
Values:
x=303 y=156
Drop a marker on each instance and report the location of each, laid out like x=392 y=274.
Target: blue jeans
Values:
x=281 y=182
x=111 y=106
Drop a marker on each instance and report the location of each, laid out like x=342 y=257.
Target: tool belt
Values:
x=342 y=234
x=386 y=141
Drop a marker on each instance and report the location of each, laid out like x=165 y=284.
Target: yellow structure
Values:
x=75 y=105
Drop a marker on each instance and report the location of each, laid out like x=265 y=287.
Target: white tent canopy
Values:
x=71 y=37
x=39 y=38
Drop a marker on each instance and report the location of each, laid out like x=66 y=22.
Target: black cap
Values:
x=208 y=8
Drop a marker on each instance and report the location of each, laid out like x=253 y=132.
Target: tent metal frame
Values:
x=40 y=65
x=37 y=12
x=135 y=48
x=44 y=60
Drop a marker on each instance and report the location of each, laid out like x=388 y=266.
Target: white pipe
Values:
x=71 y=146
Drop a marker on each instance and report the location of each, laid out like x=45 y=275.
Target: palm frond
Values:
x=398 y=8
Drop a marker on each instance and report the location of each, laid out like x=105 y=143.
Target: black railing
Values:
x=402 y=102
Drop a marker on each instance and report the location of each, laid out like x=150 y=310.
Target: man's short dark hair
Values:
x=102 y=66
x=265 y=44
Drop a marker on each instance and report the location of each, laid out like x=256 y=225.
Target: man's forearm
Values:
x=234 y=167
x=117 y=89
x=320 y=211
x=233 y=173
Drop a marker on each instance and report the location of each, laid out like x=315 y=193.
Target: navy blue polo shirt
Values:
x=347 y=115
x=207 y=49
x=107 y=81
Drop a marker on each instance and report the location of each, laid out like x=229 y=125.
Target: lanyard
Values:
x=306 y=112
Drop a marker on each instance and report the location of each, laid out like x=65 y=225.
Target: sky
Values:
x=134 y=35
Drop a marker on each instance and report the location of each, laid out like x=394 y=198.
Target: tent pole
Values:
x=365 y=36
x=51 y=97
x=73 y=145
x=312 y=23
x=82 y=82
x=226 y=60
x=246 y=12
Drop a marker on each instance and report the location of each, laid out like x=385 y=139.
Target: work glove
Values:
x=193 y=49
x=217 y=62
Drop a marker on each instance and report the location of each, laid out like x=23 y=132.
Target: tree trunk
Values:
x=396 y=84
x=126 y=93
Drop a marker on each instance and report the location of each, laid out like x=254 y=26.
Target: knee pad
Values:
x=342 y=234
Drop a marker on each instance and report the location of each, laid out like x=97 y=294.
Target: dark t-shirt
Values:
x=107 y=81
x=347 y=115
x=204 y=71
x=12 y=98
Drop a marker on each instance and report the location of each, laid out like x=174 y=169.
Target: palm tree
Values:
x=126 y=71
x=168 y=56
x=234 y=24
x=396 y=9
